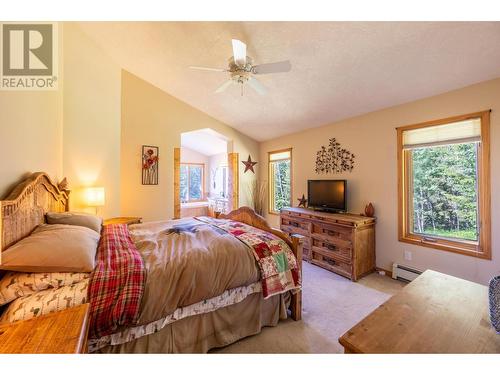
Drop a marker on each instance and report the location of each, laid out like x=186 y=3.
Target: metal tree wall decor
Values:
x=334 y=159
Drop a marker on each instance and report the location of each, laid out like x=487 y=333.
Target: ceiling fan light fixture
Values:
x=241 y=69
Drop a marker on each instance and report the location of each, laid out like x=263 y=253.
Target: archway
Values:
x=206 y=177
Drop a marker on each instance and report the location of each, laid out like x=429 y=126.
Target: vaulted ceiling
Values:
x=339 y=69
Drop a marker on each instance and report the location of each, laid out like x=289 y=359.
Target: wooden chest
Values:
x=341 y=243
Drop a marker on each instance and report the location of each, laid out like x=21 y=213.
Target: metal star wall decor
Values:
x=249 y=164
x=302 y=201
x=334 y=159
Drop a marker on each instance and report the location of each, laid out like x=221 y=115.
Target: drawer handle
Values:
x=296 y=225
x=331 y=247
x=331 y=262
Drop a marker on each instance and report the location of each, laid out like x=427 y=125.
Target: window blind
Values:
x=275 y=156
x=456 y=132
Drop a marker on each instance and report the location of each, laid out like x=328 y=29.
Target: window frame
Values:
x=479 y=249
x=188 y=181
x=270 y=184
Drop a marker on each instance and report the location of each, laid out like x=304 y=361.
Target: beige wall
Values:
x=91 y=137
x=153 y=117
x=30 y=134
x=372 y=138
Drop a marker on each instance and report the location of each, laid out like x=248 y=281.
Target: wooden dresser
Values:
x=341 y=243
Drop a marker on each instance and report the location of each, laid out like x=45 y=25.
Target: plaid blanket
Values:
x=277 y=263
x=117 y=283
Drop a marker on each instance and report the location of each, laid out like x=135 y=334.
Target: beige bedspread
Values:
x=189 y=261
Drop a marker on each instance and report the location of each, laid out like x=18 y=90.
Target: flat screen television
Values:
x=327 y=195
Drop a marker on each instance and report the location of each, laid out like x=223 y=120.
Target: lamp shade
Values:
x=94 y=196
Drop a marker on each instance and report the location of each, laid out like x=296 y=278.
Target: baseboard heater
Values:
x=404 y=273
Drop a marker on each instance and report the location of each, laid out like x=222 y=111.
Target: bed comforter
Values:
x=149 y=273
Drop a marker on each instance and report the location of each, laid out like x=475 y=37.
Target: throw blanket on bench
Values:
x=117 y=283
x=277 y=263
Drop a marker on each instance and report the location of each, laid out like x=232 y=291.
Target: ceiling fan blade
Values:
x=277 y=67
x=257 y=86
x=239 y=52
x=205 y=68
x=224 y=86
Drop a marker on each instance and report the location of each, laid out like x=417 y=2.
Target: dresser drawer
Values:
x=332 y=250
x=292 y=225
x=338 y=233
x=331 y=264
x=289 y=229
x=303 y=215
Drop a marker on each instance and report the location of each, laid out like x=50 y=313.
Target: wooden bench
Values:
x=436 y=313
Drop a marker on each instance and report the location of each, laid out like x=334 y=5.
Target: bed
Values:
x=194 y=297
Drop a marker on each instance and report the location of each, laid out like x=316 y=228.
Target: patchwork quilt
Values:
x=277 y=263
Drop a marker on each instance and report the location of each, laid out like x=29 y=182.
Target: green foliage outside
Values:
x=444 y=191
x=191 y=183
x=281 y=180
x=184 y=183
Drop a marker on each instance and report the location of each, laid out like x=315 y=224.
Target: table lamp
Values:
x=94 y=197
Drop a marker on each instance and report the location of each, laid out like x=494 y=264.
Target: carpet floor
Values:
x=331 y=305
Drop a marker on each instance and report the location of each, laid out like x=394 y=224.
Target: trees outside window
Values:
x=444 y=184
x=192 y=182
x=280 y=180
x=445 y=191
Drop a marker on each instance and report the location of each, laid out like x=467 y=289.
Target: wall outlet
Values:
x=408 y=255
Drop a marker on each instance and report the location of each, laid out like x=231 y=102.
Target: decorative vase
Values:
x=369 y=210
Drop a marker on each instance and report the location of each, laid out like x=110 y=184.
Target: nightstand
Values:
x=63 y=332
x=123 y=220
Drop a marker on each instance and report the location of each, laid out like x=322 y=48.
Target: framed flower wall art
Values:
x=150 y=165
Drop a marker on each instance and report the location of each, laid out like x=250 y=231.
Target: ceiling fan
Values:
x=241 y=69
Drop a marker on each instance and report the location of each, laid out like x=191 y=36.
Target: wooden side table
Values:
x=63 y=332
x=123 y=220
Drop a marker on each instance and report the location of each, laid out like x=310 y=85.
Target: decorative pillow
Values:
x=494 y=298
x=15 y=285
x=75 y=218
x=46 y=301
x=53 y=248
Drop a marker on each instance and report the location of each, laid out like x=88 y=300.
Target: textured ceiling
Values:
x=339 y=69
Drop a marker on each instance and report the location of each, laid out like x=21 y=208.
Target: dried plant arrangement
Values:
x=257 y=195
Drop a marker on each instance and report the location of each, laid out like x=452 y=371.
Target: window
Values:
x=192 y=182
x=219 y=181
x=280 y=180
x=444 y=184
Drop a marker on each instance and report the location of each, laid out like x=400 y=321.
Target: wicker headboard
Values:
x=25 y=207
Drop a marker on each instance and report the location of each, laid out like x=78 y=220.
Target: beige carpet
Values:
x=331 y=305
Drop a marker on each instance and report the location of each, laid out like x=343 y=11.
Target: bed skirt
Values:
x=200 y=333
